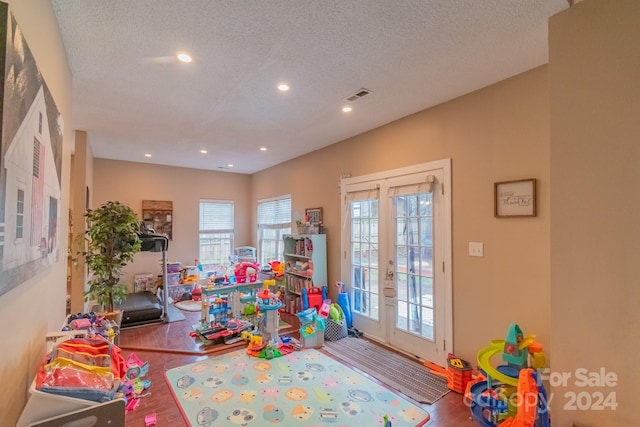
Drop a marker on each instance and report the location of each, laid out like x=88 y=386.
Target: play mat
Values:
x=303 y=388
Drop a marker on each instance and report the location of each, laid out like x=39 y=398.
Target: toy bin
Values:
x=174 y=267
x=459 y=373
x=173 y=279
x=315 y=340
x=176 y=291
x=43 y=405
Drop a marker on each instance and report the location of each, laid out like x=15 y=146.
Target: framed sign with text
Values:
x=515 y=198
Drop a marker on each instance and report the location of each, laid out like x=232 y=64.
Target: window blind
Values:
x=274 y=211
x=216 y=215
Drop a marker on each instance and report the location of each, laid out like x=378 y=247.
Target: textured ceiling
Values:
x=133 y=97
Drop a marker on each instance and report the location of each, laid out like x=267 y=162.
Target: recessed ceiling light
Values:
x=147 y=155
x=263 y=148
x=283 y=87
x=230 y=165
x=183 y=57
x=204 y=151
x=346 y=109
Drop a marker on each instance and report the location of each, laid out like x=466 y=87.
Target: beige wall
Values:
x=495 y=134
x=81 y=179
x=130 y=183
x=38 y=305
x=595 y=232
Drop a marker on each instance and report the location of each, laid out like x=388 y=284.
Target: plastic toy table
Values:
x=232 y=292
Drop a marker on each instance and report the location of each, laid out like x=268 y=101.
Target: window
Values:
x=216 y=234
x=274 y=221
x=20 y=215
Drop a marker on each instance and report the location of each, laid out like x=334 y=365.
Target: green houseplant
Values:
x=112 y=241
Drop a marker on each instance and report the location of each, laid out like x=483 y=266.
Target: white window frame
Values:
x=281 y=224
x=222 y=230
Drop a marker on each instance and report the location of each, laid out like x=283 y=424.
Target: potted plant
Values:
x=112 y=241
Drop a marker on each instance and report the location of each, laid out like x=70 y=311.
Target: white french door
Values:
x=397 y=257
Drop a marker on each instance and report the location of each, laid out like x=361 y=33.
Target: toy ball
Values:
x=250 y=310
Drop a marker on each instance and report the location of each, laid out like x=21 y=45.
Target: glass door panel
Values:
x=414 y=260
x=364 y=258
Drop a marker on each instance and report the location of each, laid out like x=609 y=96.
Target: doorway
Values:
x=397 y=257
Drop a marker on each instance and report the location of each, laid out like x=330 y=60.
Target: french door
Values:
x=397 y=257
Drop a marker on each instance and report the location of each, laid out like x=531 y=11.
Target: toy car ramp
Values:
x=527 y=401
x=484 y=362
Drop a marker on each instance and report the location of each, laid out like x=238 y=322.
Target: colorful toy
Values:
x=246 y=272
x=344 y=303
x=492 y=396
x=150 y=420
x=311 y=328
x=459 y=373
x=278 y=269
x=131 y=405
x=313 y=297
x=136 y=368
x=256 y=340
x=325 y=308
x=219 y=310
x=268 y=304
x=196 y=294
x=92 y=324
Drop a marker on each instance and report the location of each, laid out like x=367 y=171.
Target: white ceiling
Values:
x=133 y=97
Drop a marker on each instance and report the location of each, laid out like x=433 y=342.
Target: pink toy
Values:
x=81 y=324
x=150 y=420
x=324 y=309
x=133 y=404
x=246 y=272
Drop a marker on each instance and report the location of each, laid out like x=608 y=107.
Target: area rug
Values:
x=408 y=377
x=304 y=388
x=189 y=305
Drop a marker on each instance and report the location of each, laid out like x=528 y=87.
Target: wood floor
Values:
x=166 y=346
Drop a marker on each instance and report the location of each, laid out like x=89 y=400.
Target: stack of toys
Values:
x=269 y=322
x=459 y=373
x=93 y=323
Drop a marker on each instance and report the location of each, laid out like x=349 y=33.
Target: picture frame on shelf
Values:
x=515 y=198
x=314 y=215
